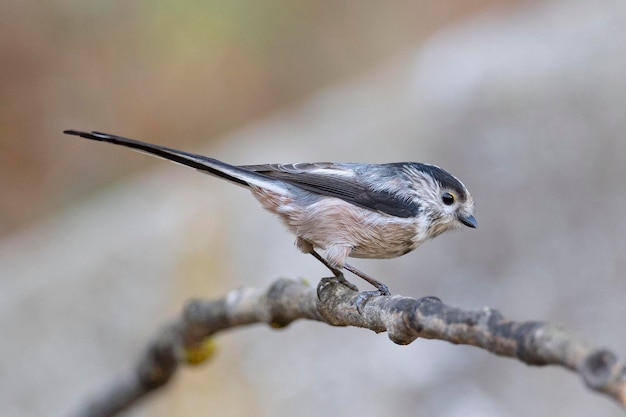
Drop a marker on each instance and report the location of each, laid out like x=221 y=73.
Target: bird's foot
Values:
x=364 y=297
x=339 y=279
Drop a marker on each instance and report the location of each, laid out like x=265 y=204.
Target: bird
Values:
x=339 y=210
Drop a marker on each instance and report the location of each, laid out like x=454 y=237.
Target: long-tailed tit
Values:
x=342 y=209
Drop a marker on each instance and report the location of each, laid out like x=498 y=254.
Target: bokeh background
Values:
x=524 y=101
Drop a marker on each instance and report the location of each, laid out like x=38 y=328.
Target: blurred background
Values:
x=99 y=246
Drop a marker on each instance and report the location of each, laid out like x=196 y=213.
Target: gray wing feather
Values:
x=340 y=181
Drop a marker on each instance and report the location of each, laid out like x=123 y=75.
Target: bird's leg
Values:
x=381 y=289
x=338 y=275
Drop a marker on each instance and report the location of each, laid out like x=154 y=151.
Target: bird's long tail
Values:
x=202 y=163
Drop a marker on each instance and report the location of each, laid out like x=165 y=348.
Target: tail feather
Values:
x=202 y=163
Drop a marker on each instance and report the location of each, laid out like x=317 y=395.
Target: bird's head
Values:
x=445 y=203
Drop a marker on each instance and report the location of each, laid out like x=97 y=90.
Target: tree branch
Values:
x=404 y=319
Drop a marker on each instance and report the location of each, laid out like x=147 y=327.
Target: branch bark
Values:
x=404 y=319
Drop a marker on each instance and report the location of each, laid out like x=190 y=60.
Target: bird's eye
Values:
x=447 y=198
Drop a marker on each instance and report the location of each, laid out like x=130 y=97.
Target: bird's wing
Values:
x=340 y=181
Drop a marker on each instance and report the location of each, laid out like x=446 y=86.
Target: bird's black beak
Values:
x=468 y=221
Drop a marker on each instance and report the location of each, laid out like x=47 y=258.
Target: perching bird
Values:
x=343 y=209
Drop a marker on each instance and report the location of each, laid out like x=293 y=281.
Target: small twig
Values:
x=404 y=319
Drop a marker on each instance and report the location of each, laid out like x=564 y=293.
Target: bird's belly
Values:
x=342 y=229
x=367 y=234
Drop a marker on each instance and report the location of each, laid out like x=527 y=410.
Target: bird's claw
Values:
x=336 y=279
x=364 y=297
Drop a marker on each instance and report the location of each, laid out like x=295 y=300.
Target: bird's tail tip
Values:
x=73 y=132
x=88 y=135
